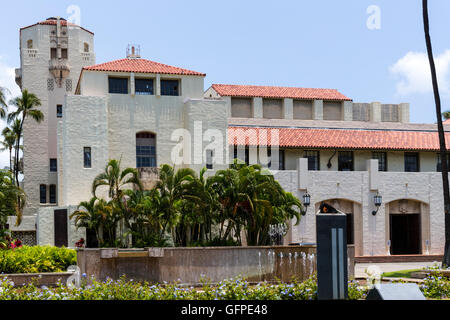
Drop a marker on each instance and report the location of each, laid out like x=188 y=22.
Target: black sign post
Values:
x=332 y=269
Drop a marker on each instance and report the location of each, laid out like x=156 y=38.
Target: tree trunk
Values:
x=443 y=148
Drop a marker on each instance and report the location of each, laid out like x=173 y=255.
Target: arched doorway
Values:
x=145 y=150
x=406 y=221
x=354 y=221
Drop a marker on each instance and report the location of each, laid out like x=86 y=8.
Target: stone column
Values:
x=317 y=110
x=403 y=110
x=302 y=169
x=132 y=84
x=158 y=85
x=375 y=112
x=257 y=107
x=347 y=110
x=288 y=108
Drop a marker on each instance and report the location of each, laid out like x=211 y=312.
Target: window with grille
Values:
x=382 y=160
x=52 y=193
x=170 y=88
x=345 y=161
x=118 y=85
x=69 y=85
x=59 y=111
x=145 y=150
x=87 y=160
x=313 y=159
x=53 y=165
x=411 y=162
x=50 y=84
x=43 y=193
x=144 y=86
x=439 y=162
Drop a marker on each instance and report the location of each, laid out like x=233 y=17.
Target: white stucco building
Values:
x=144 y=113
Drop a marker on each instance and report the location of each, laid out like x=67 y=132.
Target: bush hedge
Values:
x=123 y=289
x=36 y=259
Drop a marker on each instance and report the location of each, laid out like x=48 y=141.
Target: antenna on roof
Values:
x=133 y=51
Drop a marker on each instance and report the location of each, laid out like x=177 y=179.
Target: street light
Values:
x=377 y=200
x=306 y=202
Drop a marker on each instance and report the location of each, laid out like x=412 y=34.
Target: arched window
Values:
x=30 y=44
x=145 y=149
x=86 y=47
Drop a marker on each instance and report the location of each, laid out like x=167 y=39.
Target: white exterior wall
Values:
x=85 y=124
x=354 y=186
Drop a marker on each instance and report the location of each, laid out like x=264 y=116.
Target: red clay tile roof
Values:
x=446 y=121
x=337 y=138
x=278 y=92
x=52 y=22
x=141 y=66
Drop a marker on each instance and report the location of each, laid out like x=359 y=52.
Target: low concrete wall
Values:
x=49 y=279
x=190 y=265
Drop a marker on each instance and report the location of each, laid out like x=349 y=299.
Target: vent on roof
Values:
x=133 y=51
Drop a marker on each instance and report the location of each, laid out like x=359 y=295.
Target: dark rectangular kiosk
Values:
x=332 y=269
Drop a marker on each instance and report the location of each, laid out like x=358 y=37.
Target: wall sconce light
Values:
x=306 y=202
x=377 y=200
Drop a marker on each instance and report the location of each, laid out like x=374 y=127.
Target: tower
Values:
x=52 y=54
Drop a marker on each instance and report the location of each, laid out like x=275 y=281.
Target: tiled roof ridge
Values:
x=278 y=92
x=109 y=66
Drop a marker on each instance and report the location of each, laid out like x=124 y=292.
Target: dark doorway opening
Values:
x=350 y=229
x=91 y=239
x=61 y=238
x=405 y=233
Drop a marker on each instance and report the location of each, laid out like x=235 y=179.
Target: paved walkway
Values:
x=389 y=267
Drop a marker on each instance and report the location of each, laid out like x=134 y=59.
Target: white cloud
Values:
x=413 y=72
x=7 y=80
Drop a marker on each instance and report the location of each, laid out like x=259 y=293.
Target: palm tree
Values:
x=12 y=197
x=3 y=104
x=446 y=114
x=26 y=105
x=173 y=188
x=443 y=148
x=9 y=142
x=117 y=181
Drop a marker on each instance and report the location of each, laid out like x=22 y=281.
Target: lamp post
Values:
x=306 y=202
x=377 y=200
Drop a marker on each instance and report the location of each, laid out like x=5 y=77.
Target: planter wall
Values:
x=49 y=279
x=190 y=265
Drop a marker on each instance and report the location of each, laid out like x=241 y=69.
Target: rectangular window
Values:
x=53 y=165
x=53 y=53
x=144 y=86
x=64 y=54
x=345 y=161
x=411 y=162
x=439 y=163
x=145 y=156
x=118 y=85
x=169 y=88
x=59 y=111
x=87 y=157
x=209 y=159
x=43 y=193
x=313 y=160
x=52 y=194
x=382 y=160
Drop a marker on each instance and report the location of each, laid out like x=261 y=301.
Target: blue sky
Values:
x=320 y=43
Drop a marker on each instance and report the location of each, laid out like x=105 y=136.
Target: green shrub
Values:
x=436 y=287
x=36 y=259
x=123 y=289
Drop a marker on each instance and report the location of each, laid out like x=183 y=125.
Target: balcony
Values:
x=60 y=69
